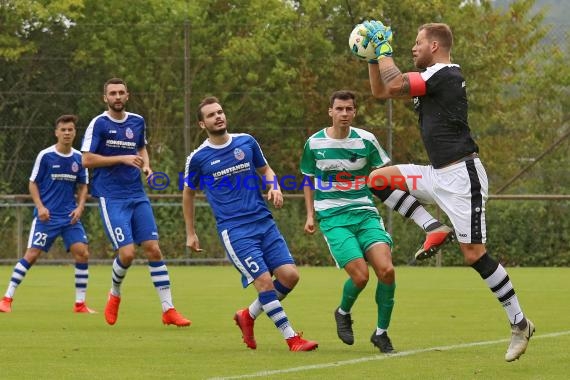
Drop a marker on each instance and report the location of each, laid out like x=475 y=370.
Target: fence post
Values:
x=20 y=229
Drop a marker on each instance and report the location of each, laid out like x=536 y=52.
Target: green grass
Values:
x=435 y=307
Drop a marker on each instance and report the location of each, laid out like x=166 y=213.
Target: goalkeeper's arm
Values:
x=387 y=81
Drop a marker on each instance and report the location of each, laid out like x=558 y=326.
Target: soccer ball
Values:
x=355 y=43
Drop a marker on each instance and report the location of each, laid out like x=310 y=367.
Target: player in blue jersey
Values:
x=114 y=146
x=57 y=176
x=227 y=167
x=456 y=179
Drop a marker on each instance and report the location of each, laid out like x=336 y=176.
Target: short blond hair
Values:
x=439 y=32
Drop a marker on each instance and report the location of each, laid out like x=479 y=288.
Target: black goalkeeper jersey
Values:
x=443 y=115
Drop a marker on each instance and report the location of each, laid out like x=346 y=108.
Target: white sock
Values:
x=380 y=331
x=161 y=281
x=409 y=207
x=117 y=277
x=81 y=278
x=501 y=286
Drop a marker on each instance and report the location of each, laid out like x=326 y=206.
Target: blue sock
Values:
x=275 y=312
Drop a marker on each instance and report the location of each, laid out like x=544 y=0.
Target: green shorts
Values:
x=350 y=242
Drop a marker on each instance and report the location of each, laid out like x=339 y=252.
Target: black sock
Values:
x=433 y=226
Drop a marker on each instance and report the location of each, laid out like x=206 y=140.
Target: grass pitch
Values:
x=446 y=325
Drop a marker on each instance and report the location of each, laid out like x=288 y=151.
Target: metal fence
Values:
x=22 y=140
x=16 y=215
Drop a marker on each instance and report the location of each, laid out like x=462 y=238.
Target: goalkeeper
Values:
x=456 y=179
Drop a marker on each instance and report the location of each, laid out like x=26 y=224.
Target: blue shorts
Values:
x=127 y=221
x=43 y=234
x=255 y=248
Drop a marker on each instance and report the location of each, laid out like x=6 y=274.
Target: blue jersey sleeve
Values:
x=258 y=157
x=39 y=170
x=83 y=175
x=92 y=137
x=141 y=143
x=192 y=172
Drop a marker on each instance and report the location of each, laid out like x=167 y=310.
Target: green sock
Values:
x=349 y=295
x=385 y=302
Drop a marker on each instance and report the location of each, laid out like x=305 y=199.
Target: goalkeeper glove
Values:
x=380 y=36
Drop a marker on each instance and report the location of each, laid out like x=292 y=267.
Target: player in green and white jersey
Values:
x=340 y=158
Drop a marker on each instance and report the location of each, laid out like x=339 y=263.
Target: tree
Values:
x=32 y=58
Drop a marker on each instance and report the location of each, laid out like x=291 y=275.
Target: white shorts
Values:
x=460 y=190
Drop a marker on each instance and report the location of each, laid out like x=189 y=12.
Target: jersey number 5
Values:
x=252 y=265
